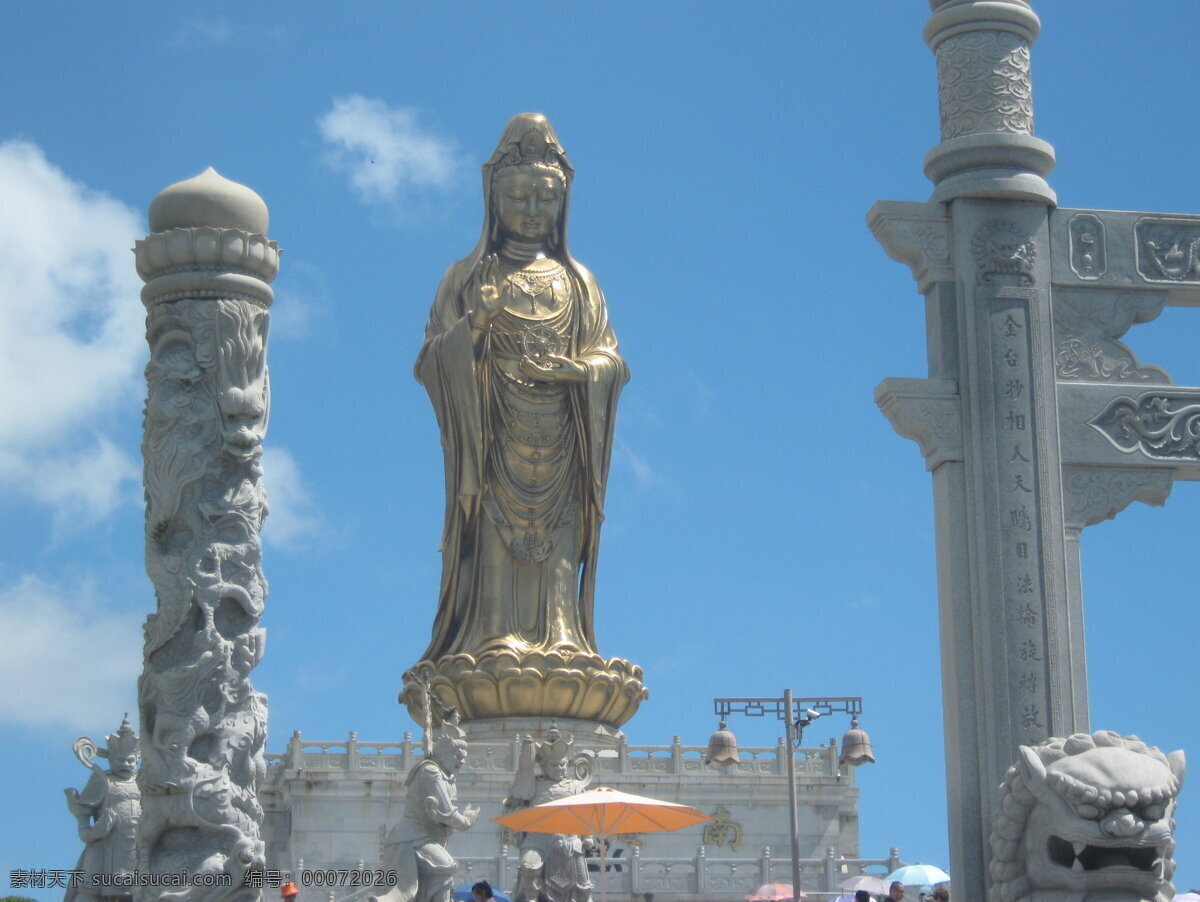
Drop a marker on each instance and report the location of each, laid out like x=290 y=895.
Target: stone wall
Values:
x=328 y=804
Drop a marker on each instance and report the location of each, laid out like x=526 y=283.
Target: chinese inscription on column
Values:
x=1009 y=294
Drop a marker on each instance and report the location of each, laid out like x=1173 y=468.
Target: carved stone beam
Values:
x=1128 y=252
x=1130 y=427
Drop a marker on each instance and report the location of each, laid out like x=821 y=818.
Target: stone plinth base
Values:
x=539 y=685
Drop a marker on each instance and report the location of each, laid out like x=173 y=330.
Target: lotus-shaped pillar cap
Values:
x=209 y=200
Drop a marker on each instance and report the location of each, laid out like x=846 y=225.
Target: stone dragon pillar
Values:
x=207 y=264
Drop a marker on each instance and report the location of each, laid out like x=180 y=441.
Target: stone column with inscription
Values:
x=207 y=264
x=987 y=415
x=1036 y=421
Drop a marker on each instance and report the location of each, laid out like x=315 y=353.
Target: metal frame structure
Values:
x=791 y=711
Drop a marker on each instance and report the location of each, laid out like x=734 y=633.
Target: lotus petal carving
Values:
x=506 y=683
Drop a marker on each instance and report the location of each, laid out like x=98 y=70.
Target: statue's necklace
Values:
x=534 y=282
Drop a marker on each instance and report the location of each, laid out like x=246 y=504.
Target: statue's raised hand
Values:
x=470 y=813
x=484 y=291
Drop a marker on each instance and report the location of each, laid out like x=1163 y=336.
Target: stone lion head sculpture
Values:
x=1086 y=817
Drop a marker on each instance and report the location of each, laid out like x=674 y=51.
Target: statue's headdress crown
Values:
x=122 y=743
x=534 y=147
x=556 y=746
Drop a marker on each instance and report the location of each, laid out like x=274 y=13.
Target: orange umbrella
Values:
x=602 y=812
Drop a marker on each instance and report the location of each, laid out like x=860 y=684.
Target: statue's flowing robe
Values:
x=504 y=586
x=113 y=849
x=416 y=847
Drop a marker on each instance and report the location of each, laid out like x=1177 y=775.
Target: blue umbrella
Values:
x=918 y=875
x=463 y=894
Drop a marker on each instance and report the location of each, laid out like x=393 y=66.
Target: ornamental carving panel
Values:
x=1162 y=425
x=983 y=84
x=1094 y=494
x=1005 y=254
x=1086 y=328
x=1168 y=250
x=1089 y=251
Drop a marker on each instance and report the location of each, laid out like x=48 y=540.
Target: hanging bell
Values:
x=856 y=746
x=722 y=748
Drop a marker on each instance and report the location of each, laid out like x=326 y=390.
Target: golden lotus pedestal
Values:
x=551 y=686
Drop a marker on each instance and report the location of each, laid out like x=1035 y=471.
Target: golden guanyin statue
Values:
x=523 y=370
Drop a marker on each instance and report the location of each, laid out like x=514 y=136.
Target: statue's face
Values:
x=528 y=203
x=554 y=769
x=451 y=756
x=125 y=767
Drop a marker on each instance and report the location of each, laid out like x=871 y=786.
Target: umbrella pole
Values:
x=603 y=869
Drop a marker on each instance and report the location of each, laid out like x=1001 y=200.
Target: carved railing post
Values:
x=294 y=753
x=207 y=264
x=829 y=870
x=502 y=865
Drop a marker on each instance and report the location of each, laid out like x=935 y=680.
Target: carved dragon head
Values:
x=1086 y=817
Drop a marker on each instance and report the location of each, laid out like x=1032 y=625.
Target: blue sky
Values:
x=766 y=528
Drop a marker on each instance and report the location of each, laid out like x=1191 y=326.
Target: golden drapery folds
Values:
x=526 y=455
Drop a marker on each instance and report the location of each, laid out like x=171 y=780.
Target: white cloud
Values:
x=215 y=31
x=82 y=486
x=384 y=150
x=292 y=519
x=68 y=659
x=219 y=31
x=71 y=342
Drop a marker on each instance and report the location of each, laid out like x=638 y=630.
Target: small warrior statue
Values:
x=416 y=847
x=553 y=867
x=107 y=810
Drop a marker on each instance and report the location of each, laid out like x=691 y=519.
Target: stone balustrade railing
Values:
x=697 y=876
x=354 y=756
